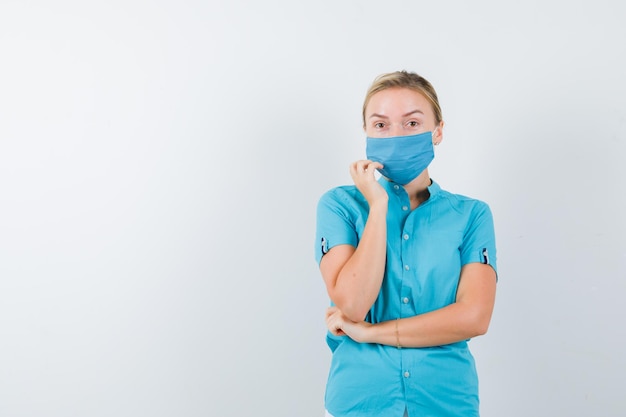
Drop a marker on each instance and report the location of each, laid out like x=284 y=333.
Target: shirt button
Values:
x=406 y=237
x=405 y=300
x=405 y=208
x=406 y=267
x=396 y=187
x=407 y=374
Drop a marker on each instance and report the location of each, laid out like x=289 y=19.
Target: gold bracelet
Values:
x=398 y=336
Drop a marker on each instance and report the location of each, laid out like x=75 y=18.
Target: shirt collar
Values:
x=391 y=186
x=434 y=188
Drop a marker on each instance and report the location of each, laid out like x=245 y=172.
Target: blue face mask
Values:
x=403 y=157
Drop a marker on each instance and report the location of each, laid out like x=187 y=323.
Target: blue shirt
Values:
x=426 y=248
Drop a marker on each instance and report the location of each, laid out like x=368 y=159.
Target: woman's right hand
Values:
x=362 y=173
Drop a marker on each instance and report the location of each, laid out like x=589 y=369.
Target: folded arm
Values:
x=467 y=317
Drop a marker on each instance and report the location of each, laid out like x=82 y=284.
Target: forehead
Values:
x=398 y=100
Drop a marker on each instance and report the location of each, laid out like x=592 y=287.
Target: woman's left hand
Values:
x=339 y=325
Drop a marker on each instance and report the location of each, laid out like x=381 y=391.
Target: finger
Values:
x=353 y=168
x=328 y=315
x=331 y=325
x=331 y=320
x=359 y=163
x=360 y=167
x=334 y=327
x=374 y=165
x=334 y=320
x=366 y=166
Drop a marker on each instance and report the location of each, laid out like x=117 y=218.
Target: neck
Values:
x=418 y=189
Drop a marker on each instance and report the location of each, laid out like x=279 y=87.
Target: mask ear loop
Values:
x=433 y=134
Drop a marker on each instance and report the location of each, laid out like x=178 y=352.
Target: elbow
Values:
x=355 y=314
x=481 y=328
x=353 y=311
x=478 y=324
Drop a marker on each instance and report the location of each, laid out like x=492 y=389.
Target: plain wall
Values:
x=160 y=164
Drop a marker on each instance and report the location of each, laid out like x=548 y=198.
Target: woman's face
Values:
x=398 y=112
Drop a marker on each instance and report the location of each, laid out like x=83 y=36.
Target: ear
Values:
x=438 y=133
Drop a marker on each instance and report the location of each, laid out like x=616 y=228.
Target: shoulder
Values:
x=343 y=194
x=462 y=201
x=463 y=204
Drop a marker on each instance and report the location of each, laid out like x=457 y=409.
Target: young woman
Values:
x=410 y=268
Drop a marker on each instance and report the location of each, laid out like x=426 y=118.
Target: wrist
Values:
x=379 y=205
x=363 y=332
x=369 y=333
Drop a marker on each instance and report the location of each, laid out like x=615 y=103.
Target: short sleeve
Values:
x=479 y=242
x=334 y=224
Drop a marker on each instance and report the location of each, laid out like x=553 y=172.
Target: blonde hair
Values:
x=404 y=79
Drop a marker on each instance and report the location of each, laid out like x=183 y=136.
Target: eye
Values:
x=413 y=123
x=379 y=125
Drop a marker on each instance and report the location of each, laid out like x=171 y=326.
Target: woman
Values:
x=410 y=268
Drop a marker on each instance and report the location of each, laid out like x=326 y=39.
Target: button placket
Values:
x=406 y=237
x=405 y=292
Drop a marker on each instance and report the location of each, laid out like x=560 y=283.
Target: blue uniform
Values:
x=426 y=249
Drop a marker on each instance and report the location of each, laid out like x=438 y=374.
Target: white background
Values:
x=160 y=163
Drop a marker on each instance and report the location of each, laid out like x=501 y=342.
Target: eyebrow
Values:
x=404 y=115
